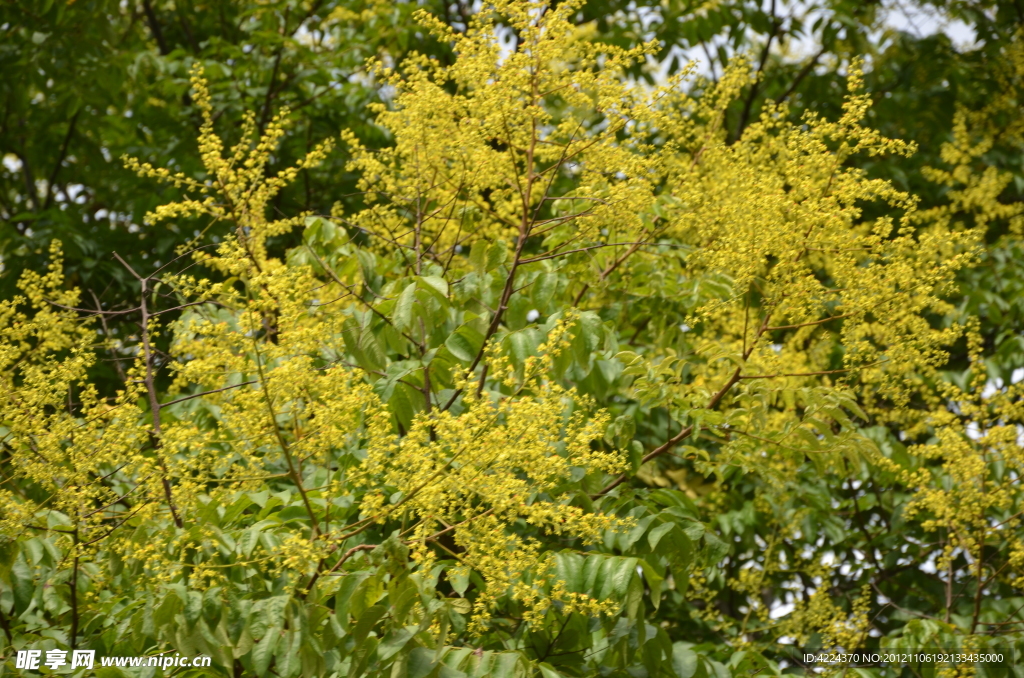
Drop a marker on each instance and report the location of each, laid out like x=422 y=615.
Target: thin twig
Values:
x=150 y=382
x=206 y=393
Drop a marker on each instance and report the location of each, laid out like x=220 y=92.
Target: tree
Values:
x=589 y=381
x=90 y=81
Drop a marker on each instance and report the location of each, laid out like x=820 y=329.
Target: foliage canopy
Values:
x=590 y=374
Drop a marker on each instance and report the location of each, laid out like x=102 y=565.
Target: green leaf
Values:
x=368 y=264
x=677 y=546
x=621 y=430
x=212 y=606
x=344 y=596
x=465 y=343
x=543 y=290
x=401 y=315
x=518 y=346
x=312 y=230
x=8 y=556
x=478 y=256
x=609 y=577
x=405 y=402
x=421 y=662
x=287 y=655
x=505 y=665
x=251 y=537
x=363 y=345
x=459 y=582
x=236 y=509
x=263 y=651
x=367 y=621
x=366 y=594
x=654 y=580
x=395 y=641
x=548 y=671
x=497 y=253
x=655 y=535
x=714 y=549
x=634 y=597
x=684 y=660
x=403 y=594
x=636 y=455
x=164 y=614
x=436 y=284
x=569 y=568
x=364 y=652
x=460 y=347
x=193 y=608
x=24 y=584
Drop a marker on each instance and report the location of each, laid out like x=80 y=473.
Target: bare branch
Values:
x=206 y=393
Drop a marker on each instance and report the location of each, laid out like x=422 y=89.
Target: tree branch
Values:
x=150 y=382
x=154 y=27
x=749 y=103
x=60 y=160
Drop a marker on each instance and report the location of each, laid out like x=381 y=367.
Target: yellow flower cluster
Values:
x=262 y=391
x=479 y=146
x=808 y=311
x=478 y=474
x=237 y=189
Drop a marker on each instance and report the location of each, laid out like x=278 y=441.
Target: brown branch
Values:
x=154 y=27
x=581 y=249
x=764 y=440
x=265 y=114
x=123 y=496
x=106 y=333
x=348 y=554
x=457 y=525
x=713 y=403
x=206 y=393
x=447 y=220
x=292 y=470
x=111 y=530
x=749 y=103
x=810 y=324
x=183 y=306
x=5 y=624
x=368 y=522
x=558 y=165
x=150 y=382
x=301 y=594
x=60 y=160
x=804 y=72
x=90 y=311
x=863 y=527
x=812 y=374
x=980 y=572
x=525 y=226
x=795 y=374
x=608 y=271
x=371 y=307
x=676 y=439
x=555 y=222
